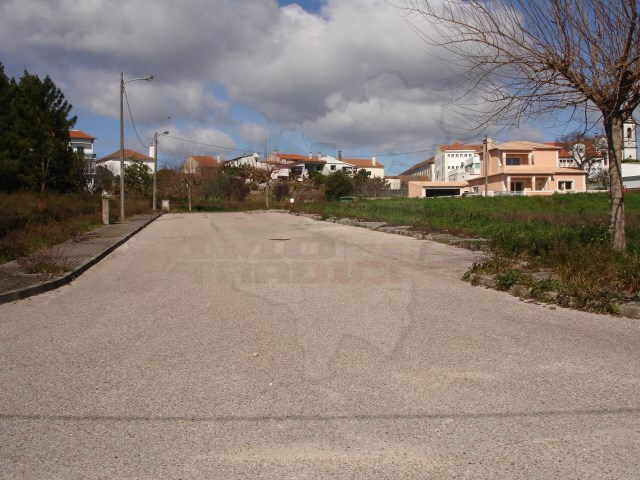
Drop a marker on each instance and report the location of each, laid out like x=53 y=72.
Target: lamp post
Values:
x=122 y=82
x=485 y=155
x=155 y=168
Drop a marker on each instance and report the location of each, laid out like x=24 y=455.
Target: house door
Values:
x=517 y=187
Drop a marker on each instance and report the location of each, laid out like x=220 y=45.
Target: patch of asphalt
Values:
x=630 y=310
x=77 y=255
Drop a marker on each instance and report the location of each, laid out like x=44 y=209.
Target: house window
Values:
x=333 y=167
x=565 y=185
x=517 y=186
x=513 y=161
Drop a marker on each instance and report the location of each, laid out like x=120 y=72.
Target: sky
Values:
x=238 y=76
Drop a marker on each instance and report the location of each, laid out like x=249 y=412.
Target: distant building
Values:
x=200 y=164
x=526 y=168
x=456 y=162
x=422 y=169
x=630 y=140
x=112 y=161
x=81 y=142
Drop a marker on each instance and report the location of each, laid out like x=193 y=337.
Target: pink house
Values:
x=526 y=168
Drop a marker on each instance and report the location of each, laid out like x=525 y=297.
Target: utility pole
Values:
x=122 y=82
x=485 y=158
x=121 y=148
x=155 y=169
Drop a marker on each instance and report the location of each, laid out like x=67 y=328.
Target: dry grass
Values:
x=29 y=223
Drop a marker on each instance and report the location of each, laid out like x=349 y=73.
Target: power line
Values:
x=393 y=154
x=131 y=117
x=206 y=144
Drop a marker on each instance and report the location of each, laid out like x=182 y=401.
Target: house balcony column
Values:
x=506 y=186
x=533 y=184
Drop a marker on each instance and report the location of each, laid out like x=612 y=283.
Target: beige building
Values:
x=526 y=168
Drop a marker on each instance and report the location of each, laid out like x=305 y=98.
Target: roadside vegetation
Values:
x=28 y=224
x=555 y=248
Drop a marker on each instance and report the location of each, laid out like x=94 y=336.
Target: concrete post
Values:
x=105 y=211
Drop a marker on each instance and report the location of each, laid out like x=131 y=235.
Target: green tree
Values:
x=104 y=180
x=39 y=137
x=337 y=185
x=367 y=186
x=138 y=178
x=9 y=166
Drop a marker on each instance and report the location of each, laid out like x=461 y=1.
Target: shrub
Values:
x=281 y=190
x=337 y=185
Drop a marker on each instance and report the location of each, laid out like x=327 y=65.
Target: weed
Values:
x=508 y=278
x=43 y=263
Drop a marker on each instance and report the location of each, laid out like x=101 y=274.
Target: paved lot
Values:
x=272 y=346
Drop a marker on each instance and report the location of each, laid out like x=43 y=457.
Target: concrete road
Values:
x=266 y=345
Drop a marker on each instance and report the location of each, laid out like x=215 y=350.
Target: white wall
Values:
x=631 y=175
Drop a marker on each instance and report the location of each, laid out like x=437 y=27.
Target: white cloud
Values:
x=355 y=74
x=254 y=134
x=182 y=142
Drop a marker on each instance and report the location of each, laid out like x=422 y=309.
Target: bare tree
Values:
x=525 y=58
x=583 y=149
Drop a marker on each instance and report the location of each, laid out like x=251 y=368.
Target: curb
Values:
x=68 y=277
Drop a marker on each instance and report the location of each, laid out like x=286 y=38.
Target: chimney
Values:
x=340 y=155
x=373 y=161
x=219 y=160
x=310 y=156
x=152 y=151
x=319 y=155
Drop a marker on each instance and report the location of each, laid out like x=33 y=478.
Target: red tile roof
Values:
x=128 y=155
x=206 y=161
x=362 y=163
x=80 y=135
x=461 y=146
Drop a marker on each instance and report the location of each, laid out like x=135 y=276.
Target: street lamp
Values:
x=155 y=167
x=122 y=82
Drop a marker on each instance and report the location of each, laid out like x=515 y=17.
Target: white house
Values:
x=250 y=160
x=456 y=160
x=82 y=142
x=112 y=161
x=373 y=166
x=301 y=166
x=333 y=165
